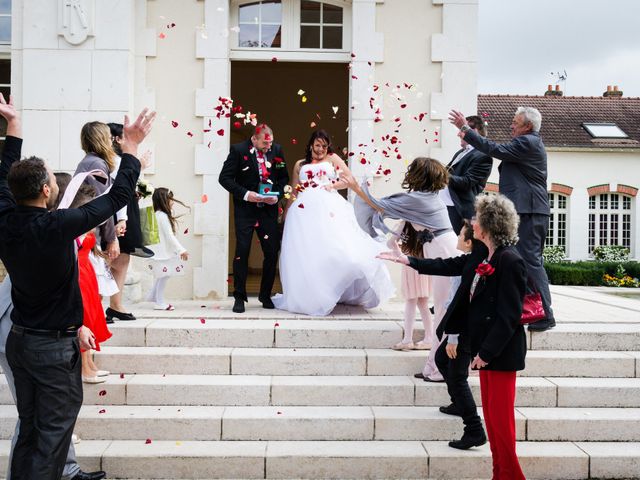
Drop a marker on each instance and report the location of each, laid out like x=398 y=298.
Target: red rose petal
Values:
x=294 y=141
x=204 y=198
x=202 y=320
x=122 y=375
x=174 y=124
x=102 y=393
x=276 y=324
x=147 y=441
x=162 y=36
x=404 y=105
x=220 y=132
x=186 y=230
x=300 y=205
x=209 y=145
x=102 y=411
x=363 y=161
x=274 y=59
x=237 y=125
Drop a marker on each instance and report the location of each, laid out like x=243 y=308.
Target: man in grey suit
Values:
x=71 y=468
x=523 y=179
x=468 y=173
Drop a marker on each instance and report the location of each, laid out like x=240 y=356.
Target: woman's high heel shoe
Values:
x=111 y=314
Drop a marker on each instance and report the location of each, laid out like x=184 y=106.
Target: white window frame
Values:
x=595 y=221
x=556 y=214
x=290 y=47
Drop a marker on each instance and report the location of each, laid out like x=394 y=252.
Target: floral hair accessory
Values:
x=485 y=269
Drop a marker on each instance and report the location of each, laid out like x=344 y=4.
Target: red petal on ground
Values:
x=147 y=441
x=237 y=125
x=174 y=124
x=102 y=411
x=122 y=375
x=363 y=161
x=189 y=134
x=102 y=393
x=202 y=320
x=186 y=230
x=301 y=205
x=204 y=198
x=274 y=59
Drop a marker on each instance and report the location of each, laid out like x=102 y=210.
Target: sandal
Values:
x=403 y=347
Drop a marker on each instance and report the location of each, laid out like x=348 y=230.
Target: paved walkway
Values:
x=571 y=305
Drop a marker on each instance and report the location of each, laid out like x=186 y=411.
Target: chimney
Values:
x=612 y=92
x=553 y=93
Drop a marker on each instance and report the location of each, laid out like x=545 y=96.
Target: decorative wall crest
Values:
x=75 y=20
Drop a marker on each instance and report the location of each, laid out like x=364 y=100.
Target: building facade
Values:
x=380 y=75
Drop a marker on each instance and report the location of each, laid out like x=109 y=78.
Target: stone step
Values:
x=247 y=390
x=328 y=361
x=359 y=459
x=355 y=333
x=190 y=423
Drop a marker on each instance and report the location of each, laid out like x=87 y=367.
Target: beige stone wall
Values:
x=174 y=74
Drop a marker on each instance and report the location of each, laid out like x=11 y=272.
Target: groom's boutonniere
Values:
x=485 y=269
x=279 y=162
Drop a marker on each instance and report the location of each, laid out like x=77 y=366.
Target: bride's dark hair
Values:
x=318 y=134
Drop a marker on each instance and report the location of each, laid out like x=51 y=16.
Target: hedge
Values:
x=587 y=273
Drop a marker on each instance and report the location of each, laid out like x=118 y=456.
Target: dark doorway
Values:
x=270 y=90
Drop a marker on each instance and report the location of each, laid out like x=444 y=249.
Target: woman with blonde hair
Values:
x=96 y=141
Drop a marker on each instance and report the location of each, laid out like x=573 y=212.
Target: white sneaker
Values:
x=94 y=379
x=75 y=439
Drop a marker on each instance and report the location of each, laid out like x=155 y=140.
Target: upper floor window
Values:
x=609 y=220
x=260 y=24
x=557 y=233
x=5 y=22
x=320 y=25
x=286 y=27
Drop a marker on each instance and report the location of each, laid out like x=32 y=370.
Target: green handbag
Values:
x=149 y=226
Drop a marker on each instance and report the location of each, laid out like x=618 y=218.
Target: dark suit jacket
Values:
x=236 y=178
x=489 y=323
x=467 y=179
x=523 y=171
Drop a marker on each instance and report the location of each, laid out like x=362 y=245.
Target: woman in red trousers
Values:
x=485 y=312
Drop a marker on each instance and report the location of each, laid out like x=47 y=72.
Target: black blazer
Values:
x=240 y=173
x=489 y=322
x=467 y=179
x=523 y=171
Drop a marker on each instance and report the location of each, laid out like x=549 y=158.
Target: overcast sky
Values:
x=522 y=41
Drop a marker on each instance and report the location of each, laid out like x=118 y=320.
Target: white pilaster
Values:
x=211 y=219
x=578 y=222
x=455 y=48
x=368 y=48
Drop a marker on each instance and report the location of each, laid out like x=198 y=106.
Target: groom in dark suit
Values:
x=254 y=172
x=468 y=173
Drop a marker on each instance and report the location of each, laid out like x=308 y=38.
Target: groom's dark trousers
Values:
x=240 y=175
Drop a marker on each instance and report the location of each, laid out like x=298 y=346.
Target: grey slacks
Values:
x=533 y=232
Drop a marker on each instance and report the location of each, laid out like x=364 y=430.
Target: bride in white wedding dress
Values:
x=326 y=257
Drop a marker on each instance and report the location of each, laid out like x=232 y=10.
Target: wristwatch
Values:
x=465 y=128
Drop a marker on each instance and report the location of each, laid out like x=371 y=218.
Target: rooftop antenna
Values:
x=561 y=77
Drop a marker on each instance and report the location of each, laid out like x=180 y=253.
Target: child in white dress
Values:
x=169 y=255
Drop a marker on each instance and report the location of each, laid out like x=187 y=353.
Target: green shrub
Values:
x=587 y=273
x=554 y=254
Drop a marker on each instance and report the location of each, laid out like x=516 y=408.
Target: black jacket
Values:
x=240 y=174
x=489 y=322
x=467 y=179
x=523 y=171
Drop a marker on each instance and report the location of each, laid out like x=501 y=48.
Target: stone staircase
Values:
x=203 y=394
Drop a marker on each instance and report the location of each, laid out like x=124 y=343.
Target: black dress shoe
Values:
x=542 y=325
x=111 y=314
x=267 y=303
x=110 y=320
x=142 y=252
x=451 y=410
x=469 y=440
x=427 y=379
x=238 y=306
x=89 y=475
x=419 y=375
